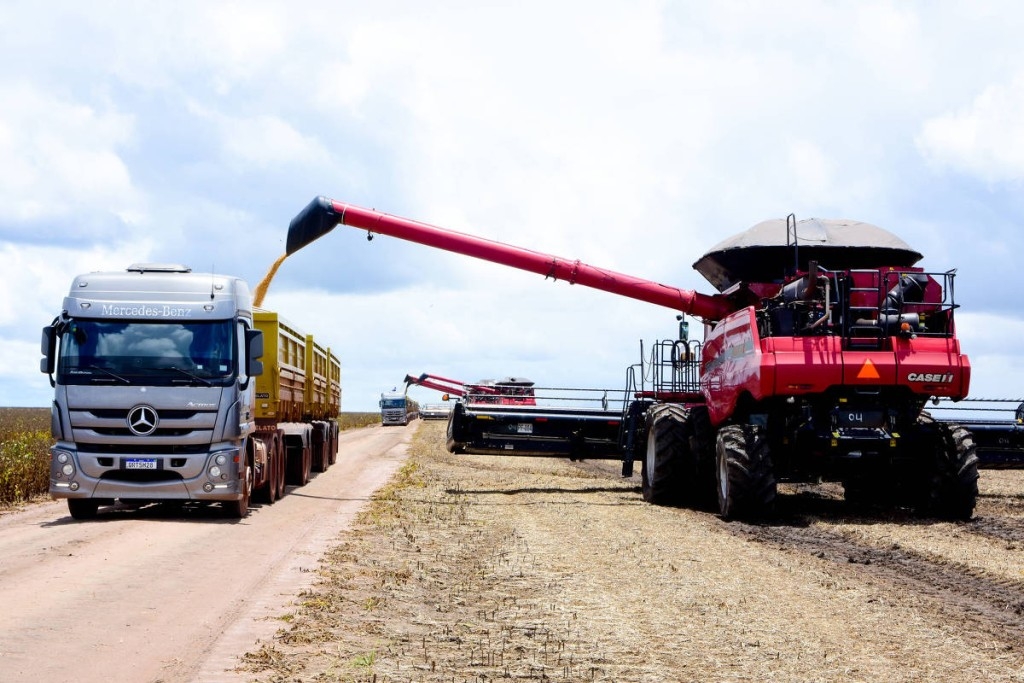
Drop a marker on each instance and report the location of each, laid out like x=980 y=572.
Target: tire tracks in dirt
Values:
x=989 y=605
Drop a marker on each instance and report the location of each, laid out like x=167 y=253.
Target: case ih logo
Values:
x=142 y=420
x=931 y=378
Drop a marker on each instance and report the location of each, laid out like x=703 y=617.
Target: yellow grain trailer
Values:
x=298 y=398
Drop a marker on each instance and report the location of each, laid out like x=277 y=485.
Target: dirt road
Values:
x=162 y=595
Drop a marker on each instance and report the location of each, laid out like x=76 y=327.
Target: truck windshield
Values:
x=157 y=352
x=392 y=403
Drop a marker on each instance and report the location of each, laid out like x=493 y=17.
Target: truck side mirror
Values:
x=49 y=350
x=254 y=347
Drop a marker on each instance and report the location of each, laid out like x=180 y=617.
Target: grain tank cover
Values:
x=764 y=254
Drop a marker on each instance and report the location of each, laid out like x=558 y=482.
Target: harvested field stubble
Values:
x=473 y=568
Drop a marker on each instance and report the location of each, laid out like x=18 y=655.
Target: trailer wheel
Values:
x=333 y=454
x=299 y=464
x=83 y=508
x=953 y=485
x=746 y=483
x=274 y=460
x=282 y=465
x=318 y=442
x=667 y=447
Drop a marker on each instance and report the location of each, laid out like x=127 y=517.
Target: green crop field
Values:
x=24 y=454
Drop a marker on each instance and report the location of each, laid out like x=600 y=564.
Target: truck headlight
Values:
x=215 y=470
x=68 y=469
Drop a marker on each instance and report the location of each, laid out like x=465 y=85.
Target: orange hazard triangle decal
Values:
x=868 y=371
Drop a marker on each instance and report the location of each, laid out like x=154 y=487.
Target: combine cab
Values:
x=822 y=346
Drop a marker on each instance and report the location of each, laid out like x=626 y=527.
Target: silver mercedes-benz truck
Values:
x=153 y=372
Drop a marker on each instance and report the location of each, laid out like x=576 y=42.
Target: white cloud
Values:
x=984 y=139
x=61 y=156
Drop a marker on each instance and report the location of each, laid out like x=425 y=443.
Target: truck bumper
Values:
x=197 y=477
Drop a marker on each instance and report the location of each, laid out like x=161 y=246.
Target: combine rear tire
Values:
x=746 y=483
x=953 y=488
x=667 y=448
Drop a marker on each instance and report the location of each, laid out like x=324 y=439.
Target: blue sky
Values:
x=629 y=135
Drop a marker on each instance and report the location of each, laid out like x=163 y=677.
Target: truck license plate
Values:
x=140 y=463
x=524 y=428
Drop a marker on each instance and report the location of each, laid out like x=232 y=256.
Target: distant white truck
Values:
x=435 y=411
x=394 y=408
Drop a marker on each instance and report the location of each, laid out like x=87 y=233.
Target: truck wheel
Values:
x=240 y=508
x=83 y=508
x=953 y=486
x=333 y=453
x=746 y=483
x=268 y=492
x=667 y=447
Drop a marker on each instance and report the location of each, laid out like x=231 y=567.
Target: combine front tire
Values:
x=953 y=488
x=667 y=448
x=746 y=483
x=702 y=446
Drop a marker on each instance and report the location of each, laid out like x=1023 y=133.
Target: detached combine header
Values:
x=822 y=346
x=505 y=417
x=999 y=435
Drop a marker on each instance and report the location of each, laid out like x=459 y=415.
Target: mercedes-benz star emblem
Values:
x=142 y=420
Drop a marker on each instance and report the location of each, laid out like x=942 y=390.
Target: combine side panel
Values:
x=734 y=365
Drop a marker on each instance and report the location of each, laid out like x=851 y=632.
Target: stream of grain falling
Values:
x=261 y=288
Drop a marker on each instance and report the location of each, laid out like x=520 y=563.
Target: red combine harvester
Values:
x=507 y=391
x=821 y=349
x=504 y=417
